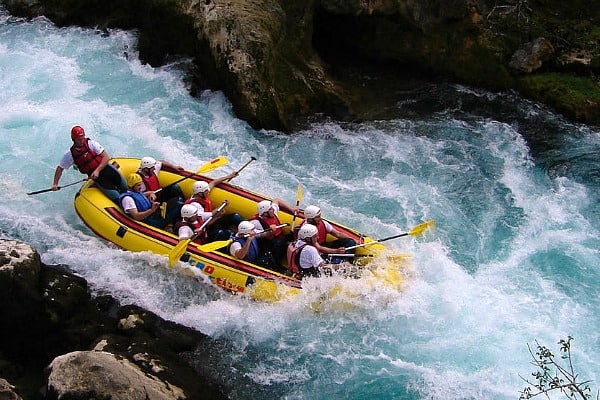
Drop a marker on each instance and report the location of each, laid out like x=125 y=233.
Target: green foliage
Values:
x=554 y=375
x=570 y=94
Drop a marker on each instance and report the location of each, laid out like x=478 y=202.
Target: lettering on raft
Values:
x=208 y=270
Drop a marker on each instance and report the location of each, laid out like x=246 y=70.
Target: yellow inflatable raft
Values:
x=108 y=221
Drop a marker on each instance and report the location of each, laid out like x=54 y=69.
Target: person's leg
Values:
x=110 y=193
x=173 y=213
x=169 y=192
x=111 y=179
x=156 y=221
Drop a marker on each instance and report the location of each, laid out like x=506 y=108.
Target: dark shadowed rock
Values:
x=50 y=318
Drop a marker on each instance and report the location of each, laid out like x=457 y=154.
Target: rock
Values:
x=48 y=313
x=96 y=374
x=7 y=391
x=531 y=56
x=282 y=63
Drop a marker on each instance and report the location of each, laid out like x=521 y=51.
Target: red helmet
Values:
x=77 y=132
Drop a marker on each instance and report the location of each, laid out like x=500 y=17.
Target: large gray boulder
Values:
x=97 y=374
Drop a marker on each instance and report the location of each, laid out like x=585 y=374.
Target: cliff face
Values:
x=282 y=61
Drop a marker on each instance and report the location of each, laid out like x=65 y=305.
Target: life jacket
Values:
x=267 y=222
x=322 y=236
x=85 y=158
x=141 y=202
x=202 y=236
x=322 y=232
x=203 y=201
x=151 y=181
x=293 y=257
x=253 y=251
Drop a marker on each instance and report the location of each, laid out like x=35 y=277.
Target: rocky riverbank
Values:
x=283 y=62
x=59 y=341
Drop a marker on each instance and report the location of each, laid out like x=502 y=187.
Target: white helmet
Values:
x=148 y=162
x=307 y=231
x=245 y=227
x=188 y=211
x=200 y=187
x=264 y=206
x=312 y=211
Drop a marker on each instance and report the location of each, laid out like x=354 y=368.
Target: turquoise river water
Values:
x=512 y=187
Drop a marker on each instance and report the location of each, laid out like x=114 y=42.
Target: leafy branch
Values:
x=552 y=375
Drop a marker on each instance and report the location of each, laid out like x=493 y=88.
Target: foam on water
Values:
x=514 y=256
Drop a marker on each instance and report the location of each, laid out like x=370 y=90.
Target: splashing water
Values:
x=514 y=257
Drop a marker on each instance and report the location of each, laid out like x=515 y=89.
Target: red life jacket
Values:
x=293 y=257
x=151 y=181
x=205 y=203
x=322 y=232
x=85 y=158
x=267 y=222
x=201 y=238
x=320 y=228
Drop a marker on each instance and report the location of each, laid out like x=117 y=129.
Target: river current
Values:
x=512 y=186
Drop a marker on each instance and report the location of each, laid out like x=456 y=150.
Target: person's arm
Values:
x=103 y=163
x=142 y=215
x=314 y=258
x=338 y=234
x=171 y=165
x=185 y=232
x=285 y=206
x=57 y=175
x=217 y=181
x=328 y=250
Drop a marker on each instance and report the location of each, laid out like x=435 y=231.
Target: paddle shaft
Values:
x=298 y=200
x=416 y=231
x=377 y=241
x=243 y=166
x=203 y=226
x=58 y=187
x=175 y=183
x=209 y=166
x=270 y=229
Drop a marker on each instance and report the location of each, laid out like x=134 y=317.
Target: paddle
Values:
x=242 y=167
x=207 y=167
x=212 y=246
x=179 y=250
x=399 y=255
x=416 y=231
x=298 y=200
x=58 y=188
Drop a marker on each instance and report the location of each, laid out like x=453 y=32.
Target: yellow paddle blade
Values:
x=213 y=164
x=178 y=251
x=212 y=246
x=419 y=229
x=298 y=195
x=163 y=210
